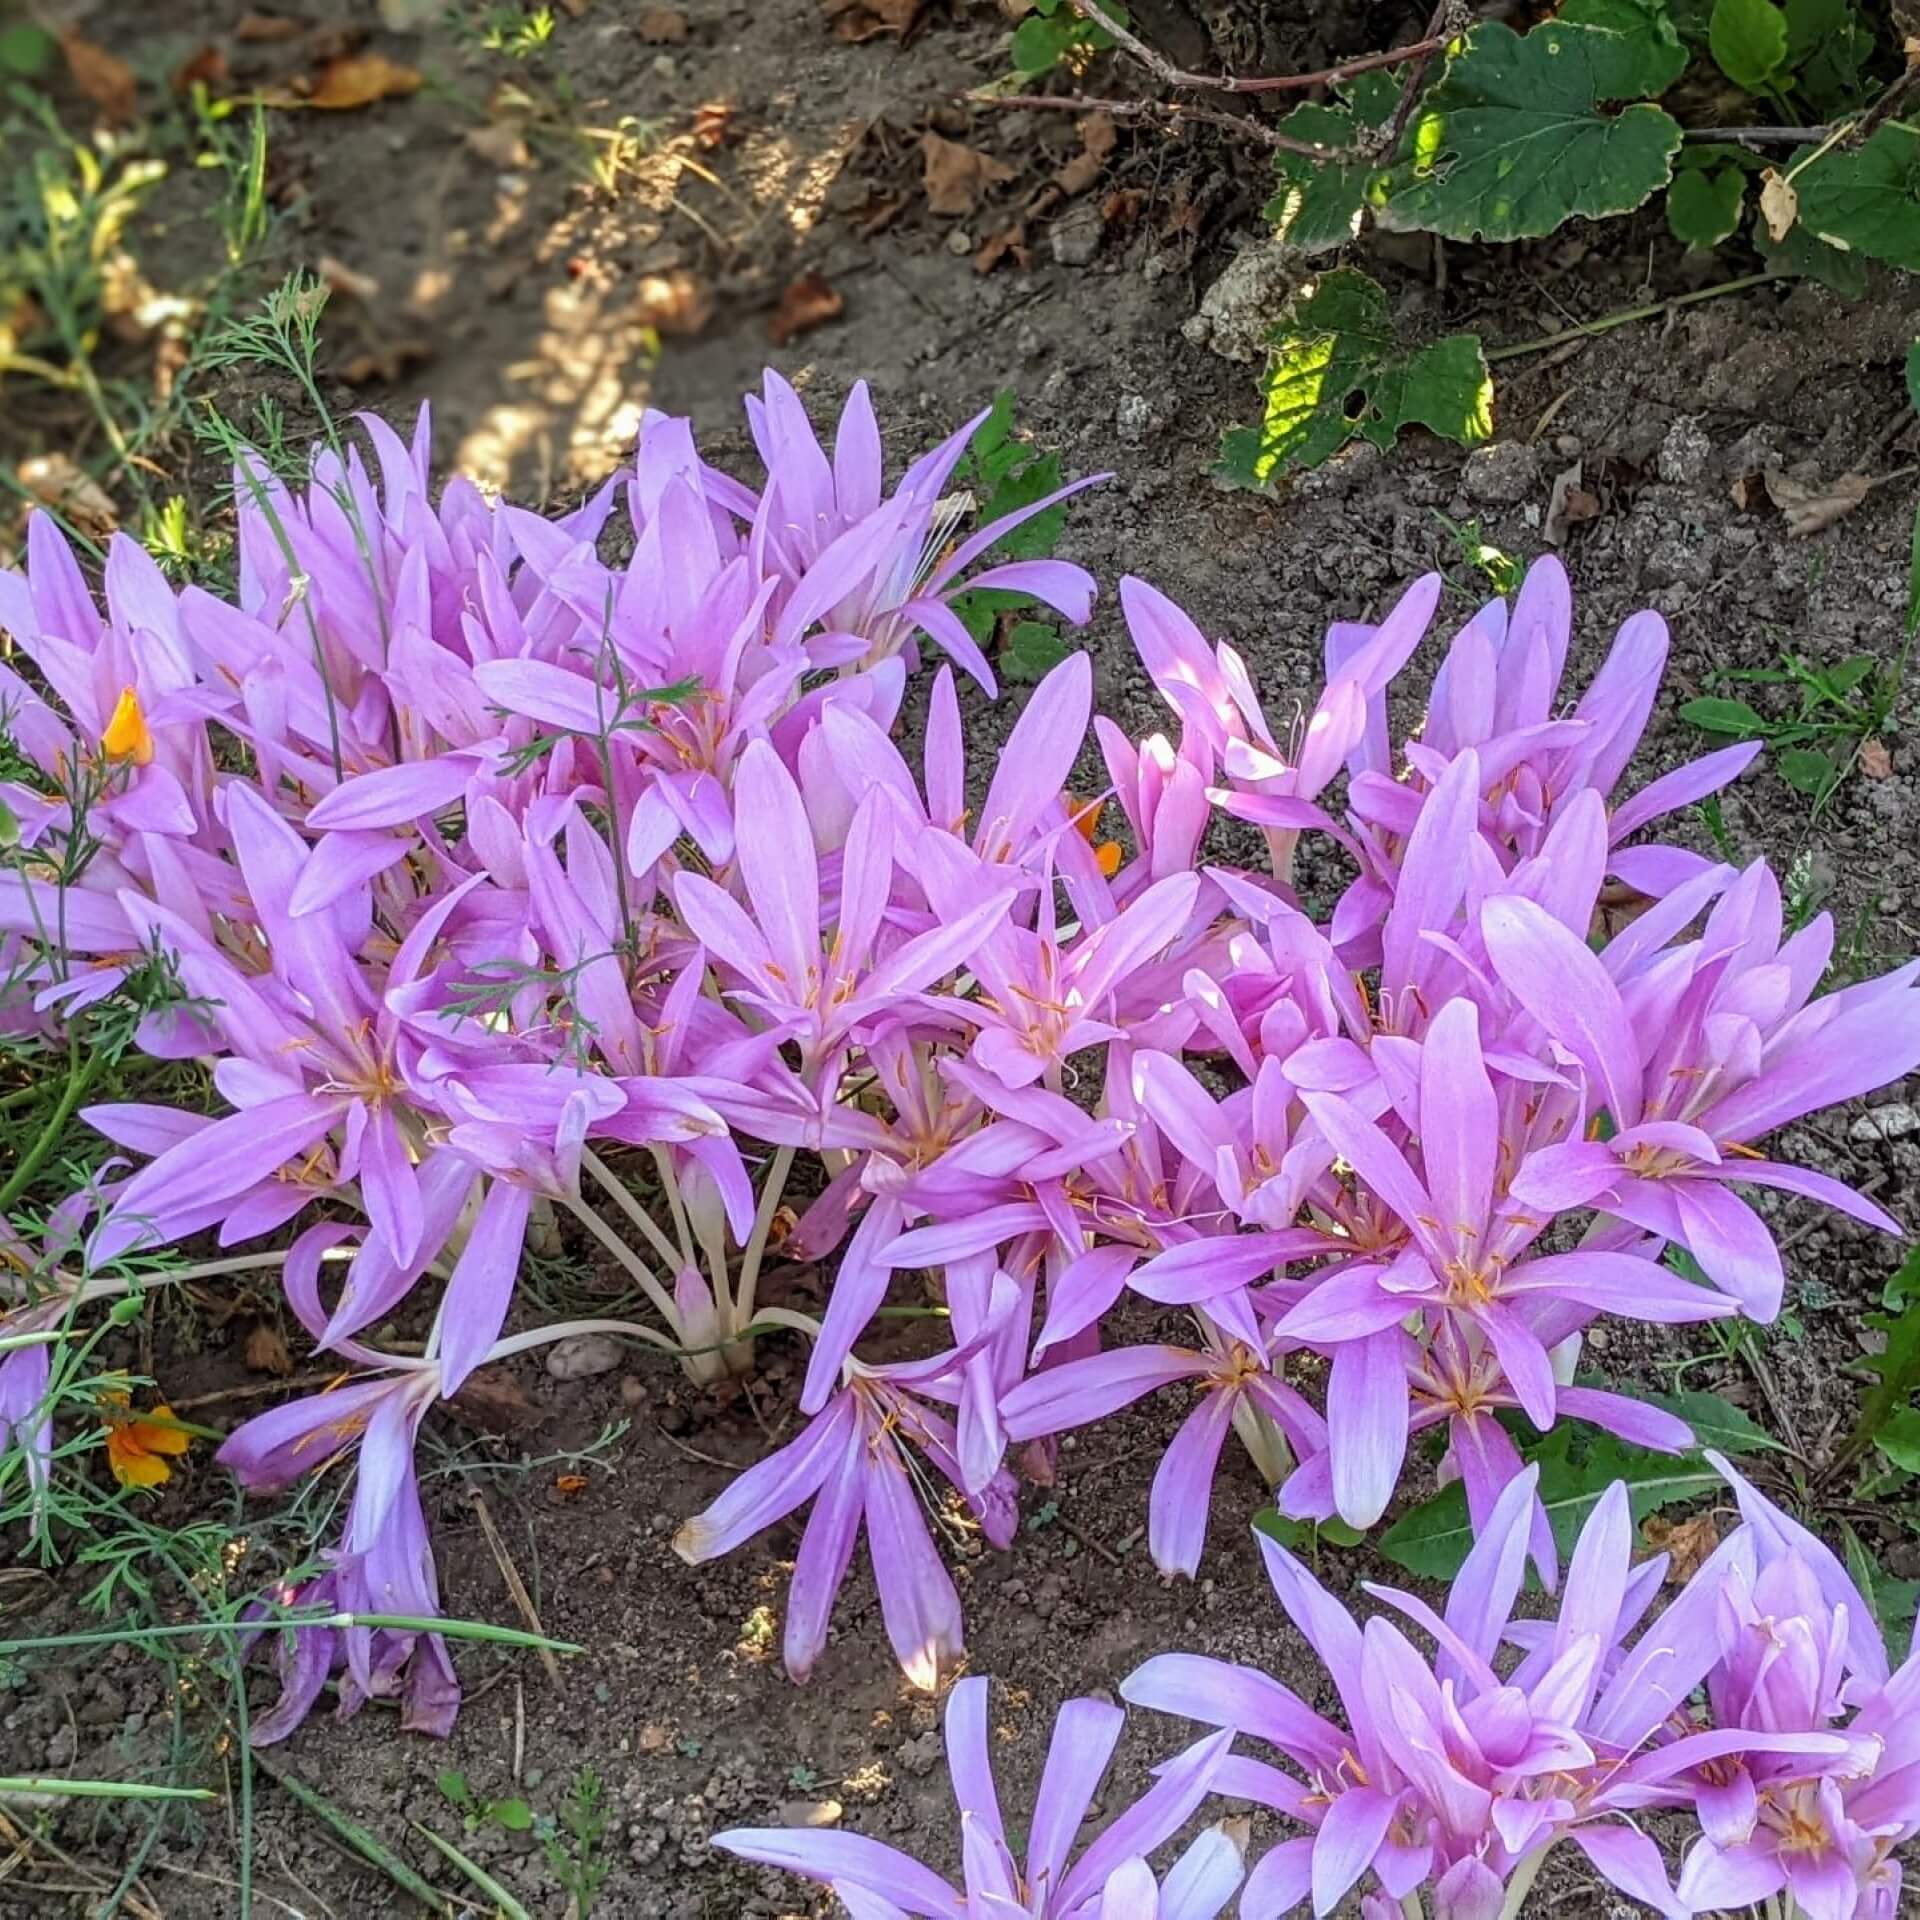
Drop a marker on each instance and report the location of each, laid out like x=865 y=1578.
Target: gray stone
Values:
x=1500 y=475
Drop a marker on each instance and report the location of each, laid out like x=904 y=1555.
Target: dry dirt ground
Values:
x=530 y=295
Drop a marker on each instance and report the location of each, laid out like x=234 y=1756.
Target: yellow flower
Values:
x=136 y=1442
x=127 y=737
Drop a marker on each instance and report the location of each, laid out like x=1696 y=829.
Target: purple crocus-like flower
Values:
x=1109 y=1880
x=1457 y=1777
x=1738 y=1050
x=859 y=1462
x=384 y=1564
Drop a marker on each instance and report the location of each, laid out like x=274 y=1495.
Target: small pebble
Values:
x=584 y=1355
x=959 y=243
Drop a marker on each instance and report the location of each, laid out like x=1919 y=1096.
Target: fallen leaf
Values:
x=1779 y=204
x=341 y=278
x=386 y=361
x=957 y=176
x=1688 y=1543
x=1010 y=243
x=661 y=26
x=655 y=1738
x=679 y=303
x=1568 y=505
x=264 y=27
x=1875 y=761
x=1809 y=508
x=207 y=68
x=266 y=1351
x=359 y=80
x=409 y=16
x=569 y=1485
x=499 y=146
x=1121 y=208
x=1617 y=907
x=103 y=77
x=712 y=124
x=1741 y=492
x=575 y=8
x=57 y=481
x=1097 y=135
x=808 y=302
x=858 y=20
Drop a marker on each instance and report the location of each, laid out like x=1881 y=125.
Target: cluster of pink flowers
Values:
x=510 y=889
x=1759 y=1703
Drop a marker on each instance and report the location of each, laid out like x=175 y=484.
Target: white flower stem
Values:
x=670 y=1186
x=624 y=1200
x=770 y=1196
x=626 y=1256
x=566 y=1329
x=1522 y=1883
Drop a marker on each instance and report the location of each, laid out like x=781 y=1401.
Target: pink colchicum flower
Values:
x=508 y=890
x=1109 y=1880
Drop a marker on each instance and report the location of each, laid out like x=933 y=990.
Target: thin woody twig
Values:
x=1173 y=76
x=1760 y=136
x=1167 y=113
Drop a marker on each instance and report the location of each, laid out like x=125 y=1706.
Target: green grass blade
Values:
x=369 y=1846
x=478 y=1874
x=12 y=1786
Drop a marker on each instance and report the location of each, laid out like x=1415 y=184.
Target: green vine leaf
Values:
x=1319 y=203
x=1520 y=134
x=1704 y=208
x=1575 y=1471
x=1866 y=199
x=1337 y=371
x=1748 y=41
x=1717 y=1423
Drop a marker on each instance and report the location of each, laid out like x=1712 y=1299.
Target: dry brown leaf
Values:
x=1616 y=908
x=1097 y=135
x=1568 y=505
x=575 y=8
x=499 y=146
x=1010 y=243
x=1121 y=208
x=1810 y=508
x=207 y=68
x=661 y=26
x=957 y=176
x=808 y=303
x=359 y=80
x=409 y=16
x=712 y=124
x=678 y=302
x=265 y=27
x=858 y=20
x=341 y=278
x=1875 y=761
x=59 y=482
x=266 y=1352
x=1779 y=204
x=103 y=77
x=1688 y=1543
x=1741 y=491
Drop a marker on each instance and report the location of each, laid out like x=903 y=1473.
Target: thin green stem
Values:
x=1627 y=315
x=80 y=1076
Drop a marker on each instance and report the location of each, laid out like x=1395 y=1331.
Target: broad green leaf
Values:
x=1039 y=42
x=1301 y=1536
x=1716 y=1422
x=1032 y=651
x=1336 y=371
x=514 y=1815
x=1704 y=208
x=25 y=50
x=1896 y=1368
x=1319 y=202
x=1827 y=46
x=1714 y=715
x=1867 y=198
x=1804 y=252
x=1647 y=25
x=1805 y=770
x=1748 y=41
x=1899 y=1438
x=1434 y=1539
x=1522 y=133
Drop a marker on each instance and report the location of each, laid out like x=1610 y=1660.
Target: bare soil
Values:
x=522 y=288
